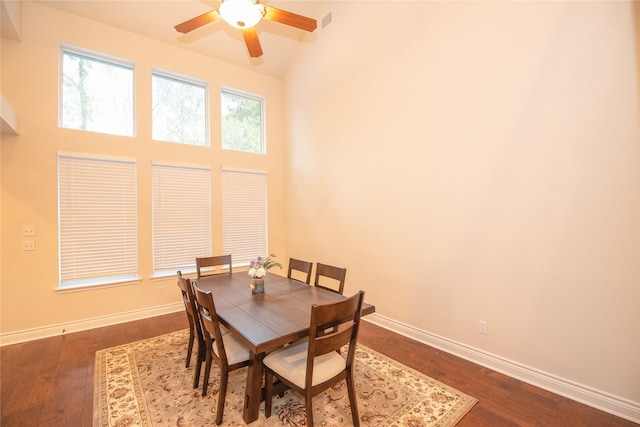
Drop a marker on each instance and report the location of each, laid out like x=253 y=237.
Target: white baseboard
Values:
x=598 y=399
x=83 y=325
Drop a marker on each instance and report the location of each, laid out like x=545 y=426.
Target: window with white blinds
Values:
x=244 y=215
x=181 y=217
x=98 y=234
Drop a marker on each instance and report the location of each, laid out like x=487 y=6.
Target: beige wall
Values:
x=465 y=161
x=29 y=164
x=473 y=161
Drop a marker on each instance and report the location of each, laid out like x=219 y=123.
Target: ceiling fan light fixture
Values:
x=241 y=13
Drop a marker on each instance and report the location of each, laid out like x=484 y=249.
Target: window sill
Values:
x=164 y=275
x=83 y=288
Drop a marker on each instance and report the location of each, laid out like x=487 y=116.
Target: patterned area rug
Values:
x=145 y=383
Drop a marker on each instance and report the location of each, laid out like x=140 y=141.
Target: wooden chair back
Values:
x=210 y=324
x=204 y=264
x=332 y=326
x=237 y=357
x=336 y=273
x=187 y=296
x=342 y=318
x=195 y=329
x=304 y=267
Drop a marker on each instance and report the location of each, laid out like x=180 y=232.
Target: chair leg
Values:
x=308 y=402
x=207 y=371
x=201 y=358
x=190 y=347
x=352 y=400
x=268 y=393
x=222 y=395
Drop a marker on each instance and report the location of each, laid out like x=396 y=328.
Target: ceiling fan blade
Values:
x=198 y=21
x=290 y=18
x=253 y=44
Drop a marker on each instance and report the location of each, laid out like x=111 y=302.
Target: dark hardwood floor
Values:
x=49 y=382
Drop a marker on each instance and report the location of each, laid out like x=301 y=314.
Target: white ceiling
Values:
x=156 y=19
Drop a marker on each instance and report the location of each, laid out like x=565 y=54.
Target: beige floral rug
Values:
x=145 y=383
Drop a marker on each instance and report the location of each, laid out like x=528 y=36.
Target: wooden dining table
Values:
x=267 y=321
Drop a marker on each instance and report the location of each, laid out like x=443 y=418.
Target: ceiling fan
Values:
x=245 y=14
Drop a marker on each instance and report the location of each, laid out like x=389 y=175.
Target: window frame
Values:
x=190 y=267
x=263 y=124
x=226 y=245
x=99 y=57
x=162 y=73
x=104 y=280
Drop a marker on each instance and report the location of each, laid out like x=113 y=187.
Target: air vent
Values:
x=326 y=20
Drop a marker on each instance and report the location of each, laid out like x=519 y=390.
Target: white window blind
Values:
x=244 y=215
x=181 y=217
x=98 y=235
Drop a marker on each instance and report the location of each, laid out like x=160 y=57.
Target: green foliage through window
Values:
x=97 y=94
x=242 y=123
x=179 y=111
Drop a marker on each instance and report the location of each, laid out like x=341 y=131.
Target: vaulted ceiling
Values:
x=156 y=19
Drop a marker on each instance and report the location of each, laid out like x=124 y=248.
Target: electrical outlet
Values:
x=28 y=230
x=28 y=245
x=483 y=327
x=161 y=290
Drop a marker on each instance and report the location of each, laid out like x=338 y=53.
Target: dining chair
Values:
x=300 y=266
x=315 y=364
x=336 y=273
x=226 y=350
x=195 y=329
x=204 y=264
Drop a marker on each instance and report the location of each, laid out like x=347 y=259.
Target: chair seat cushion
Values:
x=291 y=363
x=236 y=351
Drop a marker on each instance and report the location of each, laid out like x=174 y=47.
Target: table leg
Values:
x=253 y=390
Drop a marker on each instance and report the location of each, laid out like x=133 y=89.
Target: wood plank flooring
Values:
x=49 y=382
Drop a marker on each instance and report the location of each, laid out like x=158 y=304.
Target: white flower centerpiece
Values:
x=258 y=269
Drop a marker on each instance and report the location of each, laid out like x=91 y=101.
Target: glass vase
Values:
x=257 y=285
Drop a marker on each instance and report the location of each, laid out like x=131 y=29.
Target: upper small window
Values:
x=242 y=122
x=179 y=110
x=96 y=93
